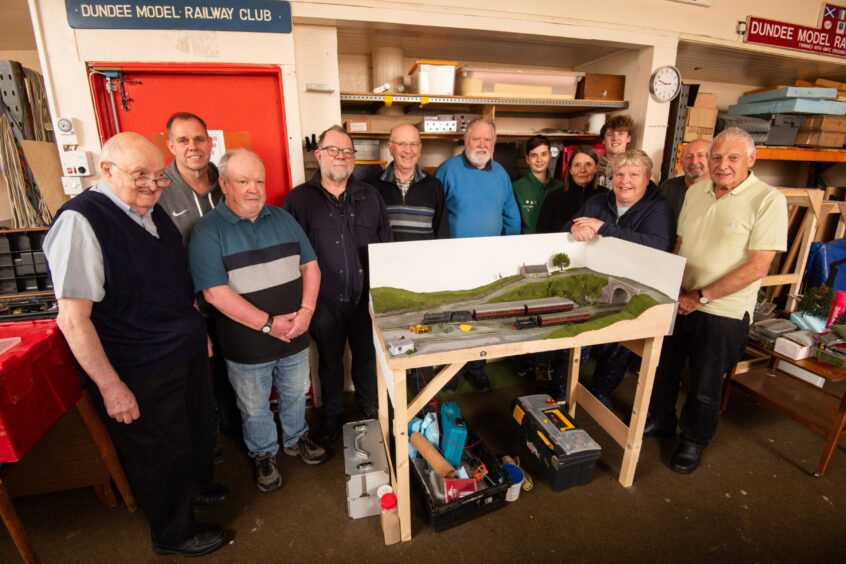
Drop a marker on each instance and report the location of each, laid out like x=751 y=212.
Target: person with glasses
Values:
x=414 y=199
x=341 y=215
x=126 y=308
x=531 y=190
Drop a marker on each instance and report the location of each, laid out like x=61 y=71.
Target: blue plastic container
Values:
x=454 y=433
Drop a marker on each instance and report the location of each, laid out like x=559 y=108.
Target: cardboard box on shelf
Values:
x=826 y=123
x=357 y=125
x=699 y=123
x=473 y=81
x=601 y=87
x=701 y=117
x=705 y=100
x=692 y=132
x=819 y=138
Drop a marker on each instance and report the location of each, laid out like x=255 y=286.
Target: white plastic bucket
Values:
x=516 y=481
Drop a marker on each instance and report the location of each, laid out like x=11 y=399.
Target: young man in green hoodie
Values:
x=531 y=190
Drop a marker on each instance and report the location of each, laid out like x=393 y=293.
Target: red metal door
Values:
x=245 y=101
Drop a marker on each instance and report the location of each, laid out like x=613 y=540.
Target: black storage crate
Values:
x=23 y=266
x=446 y=516
x=555 y=447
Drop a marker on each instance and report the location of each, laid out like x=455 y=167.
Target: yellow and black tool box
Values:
x=558 y=449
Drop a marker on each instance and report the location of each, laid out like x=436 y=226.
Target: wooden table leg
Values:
x=15 y=527
x=101 y=439
x=832 y=439
x=573 y=370
x=403 y=486
x=631 y=451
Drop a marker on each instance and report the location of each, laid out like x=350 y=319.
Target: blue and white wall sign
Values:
x=268 y=16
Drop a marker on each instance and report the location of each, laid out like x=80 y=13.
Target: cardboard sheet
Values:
x=43 y=158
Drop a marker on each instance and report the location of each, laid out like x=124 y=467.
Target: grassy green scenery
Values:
x=637 y=305
x=577 y=287
x=387 y=300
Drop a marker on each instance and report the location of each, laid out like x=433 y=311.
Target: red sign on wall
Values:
x=827 y=39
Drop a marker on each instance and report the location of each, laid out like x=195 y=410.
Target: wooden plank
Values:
x=830 y=83
x=428 y=392
x=606 y=419
x=573 y=369
x=640 y=409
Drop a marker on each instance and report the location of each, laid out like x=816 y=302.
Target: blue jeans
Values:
x=252 y=384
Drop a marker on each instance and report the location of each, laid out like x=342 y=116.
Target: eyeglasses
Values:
x=334 y=151
x=142 y=180
x=403 y=145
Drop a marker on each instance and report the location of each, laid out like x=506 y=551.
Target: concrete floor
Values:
x=754 y=499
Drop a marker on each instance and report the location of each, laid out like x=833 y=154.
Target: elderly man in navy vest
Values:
x=126 y=309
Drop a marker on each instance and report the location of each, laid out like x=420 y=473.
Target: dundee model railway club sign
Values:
x=269 y=16
x=829 y=38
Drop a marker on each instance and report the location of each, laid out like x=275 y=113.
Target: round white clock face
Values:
x=665 y=83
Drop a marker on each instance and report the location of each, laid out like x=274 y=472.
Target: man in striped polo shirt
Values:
x=256 y=267
x=414 y=199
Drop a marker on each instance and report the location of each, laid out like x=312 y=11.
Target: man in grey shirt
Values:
x=195 y=190
x=695 y=168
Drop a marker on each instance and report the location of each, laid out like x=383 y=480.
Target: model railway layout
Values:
x=502 y=310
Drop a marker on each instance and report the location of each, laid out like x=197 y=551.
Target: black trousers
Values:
x=332 y=325
x=167 y=452
x=712 y=345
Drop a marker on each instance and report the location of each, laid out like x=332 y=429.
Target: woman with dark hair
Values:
x=561 y=206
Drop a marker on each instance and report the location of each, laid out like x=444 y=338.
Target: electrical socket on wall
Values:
x=71 y=185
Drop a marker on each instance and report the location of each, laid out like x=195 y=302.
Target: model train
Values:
x=501 y=310
x=551 y=319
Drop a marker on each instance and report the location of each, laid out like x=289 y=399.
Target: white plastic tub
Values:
x=515 y=83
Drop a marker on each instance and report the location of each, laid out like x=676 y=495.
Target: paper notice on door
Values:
x=218 y=145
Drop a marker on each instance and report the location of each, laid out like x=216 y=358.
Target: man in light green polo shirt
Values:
x=729 y=230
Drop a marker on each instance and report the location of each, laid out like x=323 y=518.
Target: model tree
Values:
x=560 y=261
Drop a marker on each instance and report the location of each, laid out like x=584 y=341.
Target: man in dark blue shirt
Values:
x=341 y=216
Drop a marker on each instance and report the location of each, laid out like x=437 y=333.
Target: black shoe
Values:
x=330 y=429
x=686 y=458
x=205 y=540
x=217 y=455
x=452 y=385
x=212 y=497
x=368 y=413
x=479 y=381
x=653 y=428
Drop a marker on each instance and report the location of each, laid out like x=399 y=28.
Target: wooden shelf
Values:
x=500 y=135
x=802 y=154
x=572 y=107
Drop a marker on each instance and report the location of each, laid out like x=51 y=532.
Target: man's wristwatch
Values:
x=268 y=325
x=702 y=299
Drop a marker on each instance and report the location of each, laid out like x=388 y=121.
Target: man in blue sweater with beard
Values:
x=480 y=203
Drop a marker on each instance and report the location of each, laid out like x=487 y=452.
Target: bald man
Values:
x=695 y=168
x=121 y=276
x=414 y=199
